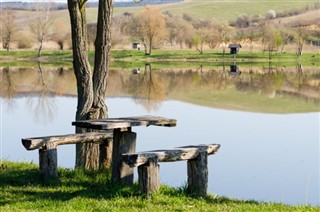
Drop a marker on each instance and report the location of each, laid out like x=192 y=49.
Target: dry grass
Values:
x=220 y=9
x=308 y=18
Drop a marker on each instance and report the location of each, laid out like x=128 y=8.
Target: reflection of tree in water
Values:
x=266 y=83
x=301 y=77
x=148 y=88
x=43 y=106
x=8 y=88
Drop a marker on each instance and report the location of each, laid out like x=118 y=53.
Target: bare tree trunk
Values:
x=40 y=45
x=83 y=75
x=101 y=62
x=100 y=75
x=91 y=89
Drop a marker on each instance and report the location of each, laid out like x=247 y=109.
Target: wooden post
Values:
x=123 y=142
x=198 y=174
x=149 y=176
x=48 y=161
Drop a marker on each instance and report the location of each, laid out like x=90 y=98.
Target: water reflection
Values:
x=8 y=87
x=234 y=70
x=266 y=89
x=147 y=88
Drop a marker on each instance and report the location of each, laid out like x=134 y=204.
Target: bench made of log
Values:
x=48 y=159
x=148 y=168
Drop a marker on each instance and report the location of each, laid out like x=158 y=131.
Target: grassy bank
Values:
x=23 y=190
x=173 y=57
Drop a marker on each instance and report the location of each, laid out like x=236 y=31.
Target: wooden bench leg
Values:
x=123 y=142
x=48 y=161
x=198 y=174
x=149 y=177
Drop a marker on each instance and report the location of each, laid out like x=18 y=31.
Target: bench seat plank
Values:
x=41 y=142
x=169 y=155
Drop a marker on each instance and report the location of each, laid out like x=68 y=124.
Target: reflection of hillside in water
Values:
x=212 y=86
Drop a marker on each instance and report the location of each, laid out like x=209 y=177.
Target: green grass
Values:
x=219 y=9
x=23 y=190
x=164 y=57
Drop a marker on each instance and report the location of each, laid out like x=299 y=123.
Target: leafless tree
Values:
x=149 y=28
x=8 y=29
x=91 y=85
x=40 y=26
x=300 y=35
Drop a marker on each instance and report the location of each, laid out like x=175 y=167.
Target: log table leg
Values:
x=123 y=142
x=198 y=174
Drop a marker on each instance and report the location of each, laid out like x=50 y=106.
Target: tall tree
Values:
x=91 y=87
x=41 y=25
x=271 y=39
x=149 y=27
x=8 y=29
x=224 y=35
x=300 y=35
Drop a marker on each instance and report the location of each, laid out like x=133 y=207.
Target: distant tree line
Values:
x=155 y=30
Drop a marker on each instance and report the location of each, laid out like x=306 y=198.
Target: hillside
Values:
x=226 y=9
x=219 y=9
x=305 y=19
x=301 y=13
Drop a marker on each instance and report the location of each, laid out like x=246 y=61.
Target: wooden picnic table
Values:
x=124 y=140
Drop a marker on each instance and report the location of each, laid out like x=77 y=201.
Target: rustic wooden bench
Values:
x=148 y=168
x=48 y=159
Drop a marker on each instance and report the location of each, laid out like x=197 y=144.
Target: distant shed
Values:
x=136 y=45
x=234 y=48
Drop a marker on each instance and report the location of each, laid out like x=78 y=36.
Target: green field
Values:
x=23 y=190
x=224 y=9
x=165 y=58
x=207 y=9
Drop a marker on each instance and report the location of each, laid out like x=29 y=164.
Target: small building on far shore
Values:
x=136 y=45
x=234 y=48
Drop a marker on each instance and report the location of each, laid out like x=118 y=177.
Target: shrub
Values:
x=271 y=14
x=25 y=42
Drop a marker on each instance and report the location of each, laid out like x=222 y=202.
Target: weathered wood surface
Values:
x=48 y=161
x=176 y=154
x=123 y=142
x=149 y=180
x=48 y=158
x=198 y=174
x=42 y=142
x=148 y=169
x=125 y=122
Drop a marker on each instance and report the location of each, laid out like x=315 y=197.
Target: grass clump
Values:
x=77 y=190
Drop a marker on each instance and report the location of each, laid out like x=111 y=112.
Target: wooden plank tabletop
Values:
x=125 y=122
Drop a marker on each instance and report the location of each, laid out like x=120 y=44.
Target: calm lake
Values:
x=266 y=120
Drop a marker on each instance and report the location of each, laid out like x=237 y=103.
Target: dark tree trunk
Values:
x=91 y=88
x=83 y=75
x=40 y=45
x=100 y=75
x=101 y=62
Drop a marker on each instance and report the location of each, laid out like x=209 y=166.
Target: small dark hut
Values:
x=234 y=48
x=136 y=46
